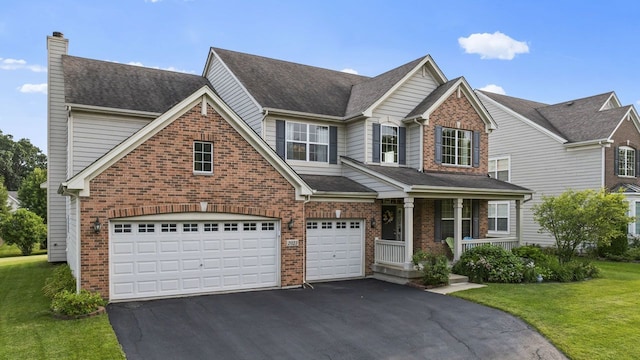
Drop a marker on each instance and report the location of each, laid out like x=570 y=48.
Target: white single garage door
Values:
x=335 y=249
x=159 y=259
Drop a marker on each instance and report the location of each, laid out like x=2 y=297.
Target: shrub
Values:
x=618 y=246
x=633 y=254
x=72 y=304
x=435 y=269
x=24 y=229
x=532 y=252
x=61 y=279
x=575 y=270
x=490 y=263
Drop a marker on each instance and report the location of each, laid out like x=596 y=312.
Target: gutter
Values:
x=601 y=142
x=304 y=115
x=108 y=110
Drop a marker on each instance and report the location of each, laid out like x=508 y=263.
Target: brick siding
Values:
x=626 y=132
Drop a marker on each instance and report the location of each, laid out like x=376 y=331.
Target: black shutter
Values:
x=280 y=138
x=637 y=163
x=476 y=149
x=402 y=146
x=438 y=145
x=437 y=221
x=375 y=144
x=333 y=145
x=475 y=219
x=615 y=160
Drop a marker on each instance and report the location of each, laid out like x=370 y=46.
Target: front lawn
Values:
x=594 y=319
x=27 y=329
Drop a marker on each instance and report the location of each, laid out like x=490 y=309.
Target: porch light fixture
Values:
x=97 y=226
x=290 y=224
x=373 y=223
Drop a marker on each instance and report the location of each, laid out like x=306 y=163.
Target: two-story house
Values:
x=588 y=143
x=260 y=173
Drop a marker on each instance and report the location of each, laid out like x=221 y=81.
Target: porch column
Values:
x=408 y=233
x=519 y=217
x=457 y=228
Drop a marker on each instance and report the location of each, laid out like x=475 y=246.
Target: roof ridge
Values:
x=115 y=63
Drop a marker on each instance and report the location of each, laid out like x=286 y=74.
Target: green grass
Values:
x=12 y=250
x=594 y=319
x=27 y=329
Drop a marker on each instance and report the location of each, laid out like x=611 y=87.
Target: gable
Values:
x=81 y=182
x=407 y=96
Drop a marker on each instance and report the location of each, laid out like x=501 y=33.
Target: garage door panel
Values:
x=335 y=249
x=192 y=257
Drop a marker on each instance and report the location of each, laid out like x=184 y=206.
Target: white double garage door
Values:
x=154 y=259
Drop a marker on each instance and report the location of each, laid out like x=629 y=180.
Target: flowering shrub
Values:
x=490 y=263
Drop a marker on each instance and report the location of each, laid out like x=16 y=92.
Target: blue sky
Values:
x=547 y=51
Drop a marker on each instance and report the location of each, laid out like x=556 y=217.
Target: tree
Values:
x=18 y=159
x=24 y=229
x=582 y=217
x=4 y=198
x=32 y=196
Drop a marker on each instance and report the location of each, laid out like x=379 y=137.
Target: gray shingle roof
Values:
x=626 y=188
x=113 y=85
x=413 y=177
x=432 y=98
x=289 y=86
x=334 y=184
x=575 y=120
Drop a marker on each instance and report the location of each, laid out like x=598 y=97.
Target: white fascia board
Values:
x=427 y=61
x=523 y=119
x=81 y=181
x=302 y=115
x=589 y=144
x=611 y=97
x=233 y=75
x=390 y=181
x=329 y=196
x=111 y=111
x=477 y=193
x=634 y=117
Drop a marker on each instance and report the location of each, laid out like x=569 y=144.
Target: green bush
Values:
x=633 y=254
x=24 y=229
x=575 y=270
x=490 y=263
x=532 y=252
x=435 y=269
x=72 y=304
x=618 y=246
x=61 y=279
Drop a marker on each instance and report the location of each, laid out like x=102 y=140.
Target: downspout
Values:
x=264 y=117
x=421 y=143
x=305 y=284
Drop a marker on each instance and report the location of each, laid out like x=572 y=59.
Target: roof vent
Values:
x=58 y=34
x=570 y=103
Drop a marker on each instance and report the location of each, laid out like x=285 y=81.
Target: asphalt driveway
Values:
x=360 y=319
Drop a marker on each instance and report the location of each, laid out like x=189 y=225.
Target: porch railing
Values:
x=389 y=252
x=506 y=243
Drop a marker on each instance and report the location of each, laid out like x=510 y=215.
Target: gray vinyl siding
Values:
x=303 y=167
x=56 y=151
x=234 y=94
x=368 y=181
x=406 y=97
x=72 y=236
x=356 y=140
x=542 y=164
x=94 y=135
x=414 y=138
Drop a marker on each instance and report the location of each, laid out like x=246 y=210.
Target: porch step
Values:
x=458 y=279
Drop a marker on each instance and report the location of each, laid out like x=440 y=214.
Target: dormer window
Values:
x=389 y=144
x=626 y=164
x=307 y=142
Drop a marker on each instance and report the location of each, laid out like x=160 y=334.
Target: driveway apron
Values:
x=359 y=319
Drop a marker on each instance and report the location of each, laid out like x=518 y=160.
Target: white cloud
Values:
x=17 y=64
x=33 y=88
x=494 y=89
x=350 y=71
x=152 y=1
x=493 y=46
x=169 y=68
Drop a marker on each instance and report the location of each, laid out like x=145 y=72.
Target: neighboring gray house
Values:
x=12 y=201
x=588 y=143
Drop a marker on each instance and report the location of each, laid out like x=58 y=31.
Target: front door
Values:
x=391 y=222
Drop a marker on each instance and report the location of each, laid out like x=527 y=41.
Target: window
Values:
x=249 y=226
x=122 y=228
x=268 y=226
x=202 y=157
x=312 y=225
x=499 y=168
x=168 y=228
x=190 y=227
x=626 y=161
x=146 y=228
x=327 y=225
x=447 y=214
x=456 y=147
x=389 y=144
x=499 y=216
x=341 y=225
x=230 y=226
x=209 y=227
x=307 y=142
x=354 y=225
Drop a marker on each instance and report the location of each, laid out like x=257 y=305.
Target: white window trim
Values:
x=397 y=152
x=469 y=219
x=508 y=217
x=306 y=142
x=193 y=164
x=496 y=158
x=635 y=171
x=456 y=156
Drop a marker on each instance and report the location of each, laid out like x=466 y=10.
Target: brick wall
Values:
x=448 y=114
x=626 y=131
x=157 y=177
